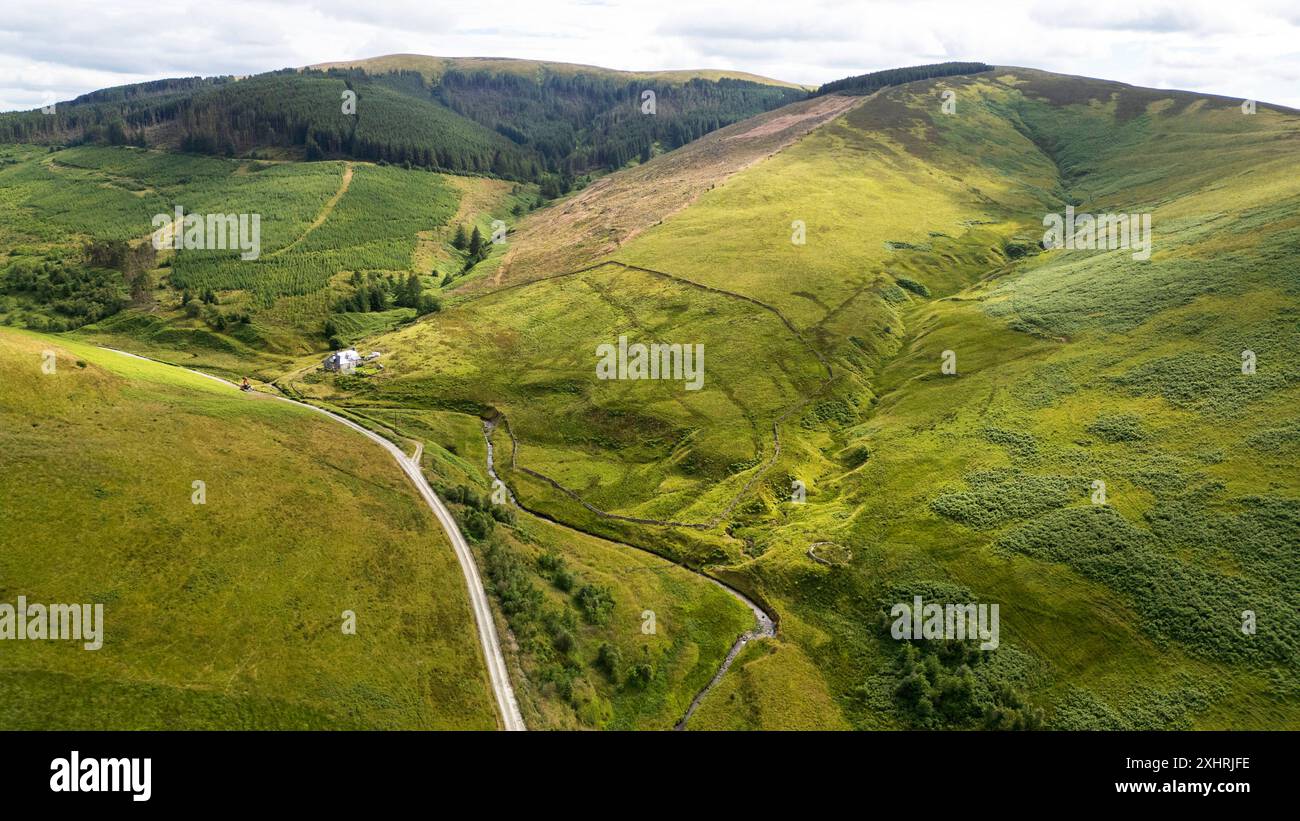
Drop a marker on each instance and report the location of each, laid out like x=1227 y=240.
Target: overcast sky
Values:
x=56 y=49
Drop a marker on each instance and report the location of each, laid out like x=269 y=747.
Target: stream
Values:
x=764 y=626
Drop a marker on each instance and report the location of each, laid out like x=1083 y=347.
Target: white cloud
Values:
x=1247 y=48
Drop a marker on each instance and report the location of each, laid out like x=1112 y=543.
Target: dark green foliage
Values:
x=407 y=295
x=477 y=249
x=996 y=497
x=857 y=455
x=1118 y=427
x=609 y=660
x=1144 y=709
x=1178 y=598
x=1208 y=382
x=913 y=286
x=1273 y=440
x=837 y=411
x=546 y=128
x=510 y=582
x=582 y=122
x=893 y=295
x=595 y=602
x=563 y=640
x=478 y=524
x=120 y=256
x=876 y=80
x=106 y=115
x=78 y=293
x=554 y=566
x=641 y=675
x=428 y=304
x=1020 y=445
x=951 y=684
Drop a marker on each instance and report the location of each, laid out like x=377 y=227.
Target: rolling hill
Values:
x=923 y=236
x=223 y=601
x=909 y=388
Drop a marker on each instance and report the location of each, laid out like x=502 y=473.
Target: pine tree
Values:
x=476 y=245
x=408 y=296
x=459 y=241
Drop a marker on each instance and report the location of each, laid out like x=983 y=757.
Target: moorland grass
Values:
x=226 y=614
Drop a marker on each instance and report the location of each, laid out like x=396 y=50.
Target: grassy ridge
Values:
x=1072 y=368
x=225 y=614
x=923 y=236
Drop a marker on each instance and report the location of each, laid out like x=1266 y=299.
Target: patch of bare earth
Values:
x=594 y=222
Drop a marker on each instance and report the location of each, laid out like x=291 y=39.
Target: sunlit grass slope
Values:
x=226 y=614
x=650 y=448
x=1072 y=367
x=638 y=666
x=923 y=236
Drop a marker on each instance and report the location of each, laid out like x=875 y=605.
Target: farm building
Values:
x=344 y=361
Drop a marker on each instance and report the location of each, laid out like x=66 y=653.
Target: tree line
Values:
x=549 y=129
x=876 y=80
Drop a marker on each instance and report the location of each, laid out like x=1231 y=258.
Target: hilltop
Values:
x=433 y=68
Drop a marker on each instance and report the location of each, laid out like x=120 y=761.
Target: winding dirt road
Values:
x=507 y=706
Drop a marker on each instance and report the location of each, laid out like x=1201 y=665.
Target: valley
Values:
x=896 y=368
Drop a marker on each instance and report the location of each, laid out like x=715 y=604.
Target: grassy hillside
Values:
x=225 y=614
x=923 y=234
x=661 y=453
x=329 y=231
x=601 y=217
x=1095 y=459
x=603 y=636
x=1072 y=368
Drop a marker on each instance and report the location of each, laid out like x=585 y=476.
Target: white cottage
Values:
x=344 y=361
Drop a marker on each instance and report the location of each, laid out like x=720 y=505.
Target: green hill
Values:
x=923 y=233
x=227 y=613
x=1100 y=441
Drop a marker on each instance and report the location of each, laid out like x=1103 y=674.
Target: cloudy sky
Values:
x=56 y=49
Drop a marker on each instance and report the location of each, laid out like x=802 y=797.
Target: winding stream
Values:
x=764 y=626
